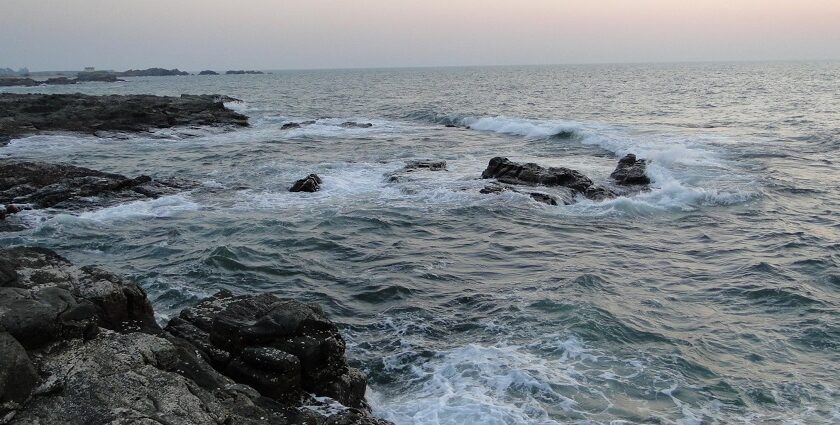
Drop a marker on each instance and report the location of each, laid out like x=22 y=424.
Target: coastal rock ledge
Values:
x=80 y=345
x=28 y=114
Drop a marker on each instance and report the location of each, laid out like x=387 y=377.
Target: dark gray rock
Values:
x=152 y=72
x=413 y=166
x=26 y=114
x=208 y=72
x=15 y=81
x=310 y=183
x=97 y=76
x=631 y=171
x=44 y=185
x=63 y=368
x=353 y=124
x=59 y=81
x=278 y=346
x=530 y=174
x=17 y=374
x=561 y=196
x=289 y=126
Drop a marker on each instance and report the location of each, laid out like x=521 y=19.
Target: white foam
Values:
x=519 y=126
x=500 y=384
x=165 y=206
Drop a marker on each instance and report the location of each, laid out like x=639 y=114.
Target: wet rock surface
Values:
x=530 y=174
x=33 y=184
x=631 y=171
x=79 y=345
x=27 y=114
x=310 y=183
x=415 y=166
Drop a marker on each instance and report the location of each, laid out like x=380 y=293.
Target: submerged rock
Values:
x=44 y=185
x=631 y=171
x=564 y=197
x=79 y=345
x=290 y=125
x=26 y=114
x=310 y=183
x=530 y=174
x=417 y=165
x=353 y=124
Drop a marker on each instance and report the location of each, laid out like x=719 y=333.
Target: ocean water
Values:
x=712 y=298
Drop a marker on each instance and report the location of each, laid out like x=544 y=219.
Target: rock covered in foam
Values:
x=631 y=171
x=310 y=183
x=44 y=185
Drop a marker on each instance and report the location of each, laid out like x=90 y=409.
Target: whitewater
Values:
x=713 y=297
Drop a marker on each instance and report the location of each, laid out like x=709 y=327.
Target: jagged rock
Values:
x=278 y=346
x=353 y=124
x=44 y=185
x=631 y=171
x=310 y=183
x=565 y=196
x=44 y=298
x=530 y=174
x=26 y=114
x=133 y=372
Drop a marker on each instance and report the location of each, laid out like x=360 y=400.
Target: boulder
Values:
x=17 y=373
x=310 y=183
x=530 y=174
x=631 y=171
x=280 y=347
x=26 y=114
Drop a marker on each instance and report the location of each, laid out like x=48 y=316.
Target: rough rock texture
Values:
x=631 y=171
x=310 y=183
x=23 y=114
x=566 y=197
x=530 y=174
x=279 y=347
x=79 y=345
x=413 y=166
x=44 y=185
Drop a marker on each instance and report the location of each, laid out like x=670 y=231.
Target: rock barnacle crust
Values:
x=28 y=114
x=79 y=345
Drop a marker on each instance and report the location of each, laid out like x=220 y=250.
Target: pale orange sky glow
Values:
x=271 y=34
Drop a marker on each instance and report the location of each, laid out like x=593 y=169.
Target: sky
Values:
x=293 y=34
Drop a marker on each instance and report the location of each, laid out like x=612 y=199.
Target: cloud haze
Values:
x=272 y=34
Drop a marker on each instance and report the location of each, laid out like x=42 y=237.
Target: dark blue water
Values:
x=713 y=298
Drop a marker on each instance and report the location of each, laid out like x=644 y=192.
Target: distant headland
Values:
x=23 y=77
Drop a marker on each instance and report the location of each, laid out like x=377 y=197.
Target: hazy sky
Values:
x=279 y=34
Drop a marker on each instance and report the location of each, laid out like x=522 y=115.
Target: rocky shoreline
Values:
x=29 y=114
x=80 y=345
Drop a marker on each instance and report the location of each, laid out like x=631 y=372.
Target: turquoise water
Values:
x=713 y=298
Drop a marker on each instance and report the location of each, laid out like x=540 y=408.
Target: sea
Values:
x=712 y=298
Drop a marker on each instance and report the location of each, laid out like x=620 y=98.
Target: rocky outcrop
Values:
x=152 y=72
x=79 y=345
x=26 y=114
x=98 y=76
x=33 y=184
x=530 y=174
x=310 y=183
x=15 y=81
x=631 y=171
x=240 y=72
x=208 y=72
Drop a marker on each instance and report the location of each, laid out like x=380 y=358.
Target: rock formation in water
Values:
x=240 y=72
x=26 y=114
x=530 y=174
x=35 y=185
x=152 y=72
x=208 y=72
x=353 y=124
x=79 y=345
x=414 y=166
x=631 y=171
x=310 y=183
